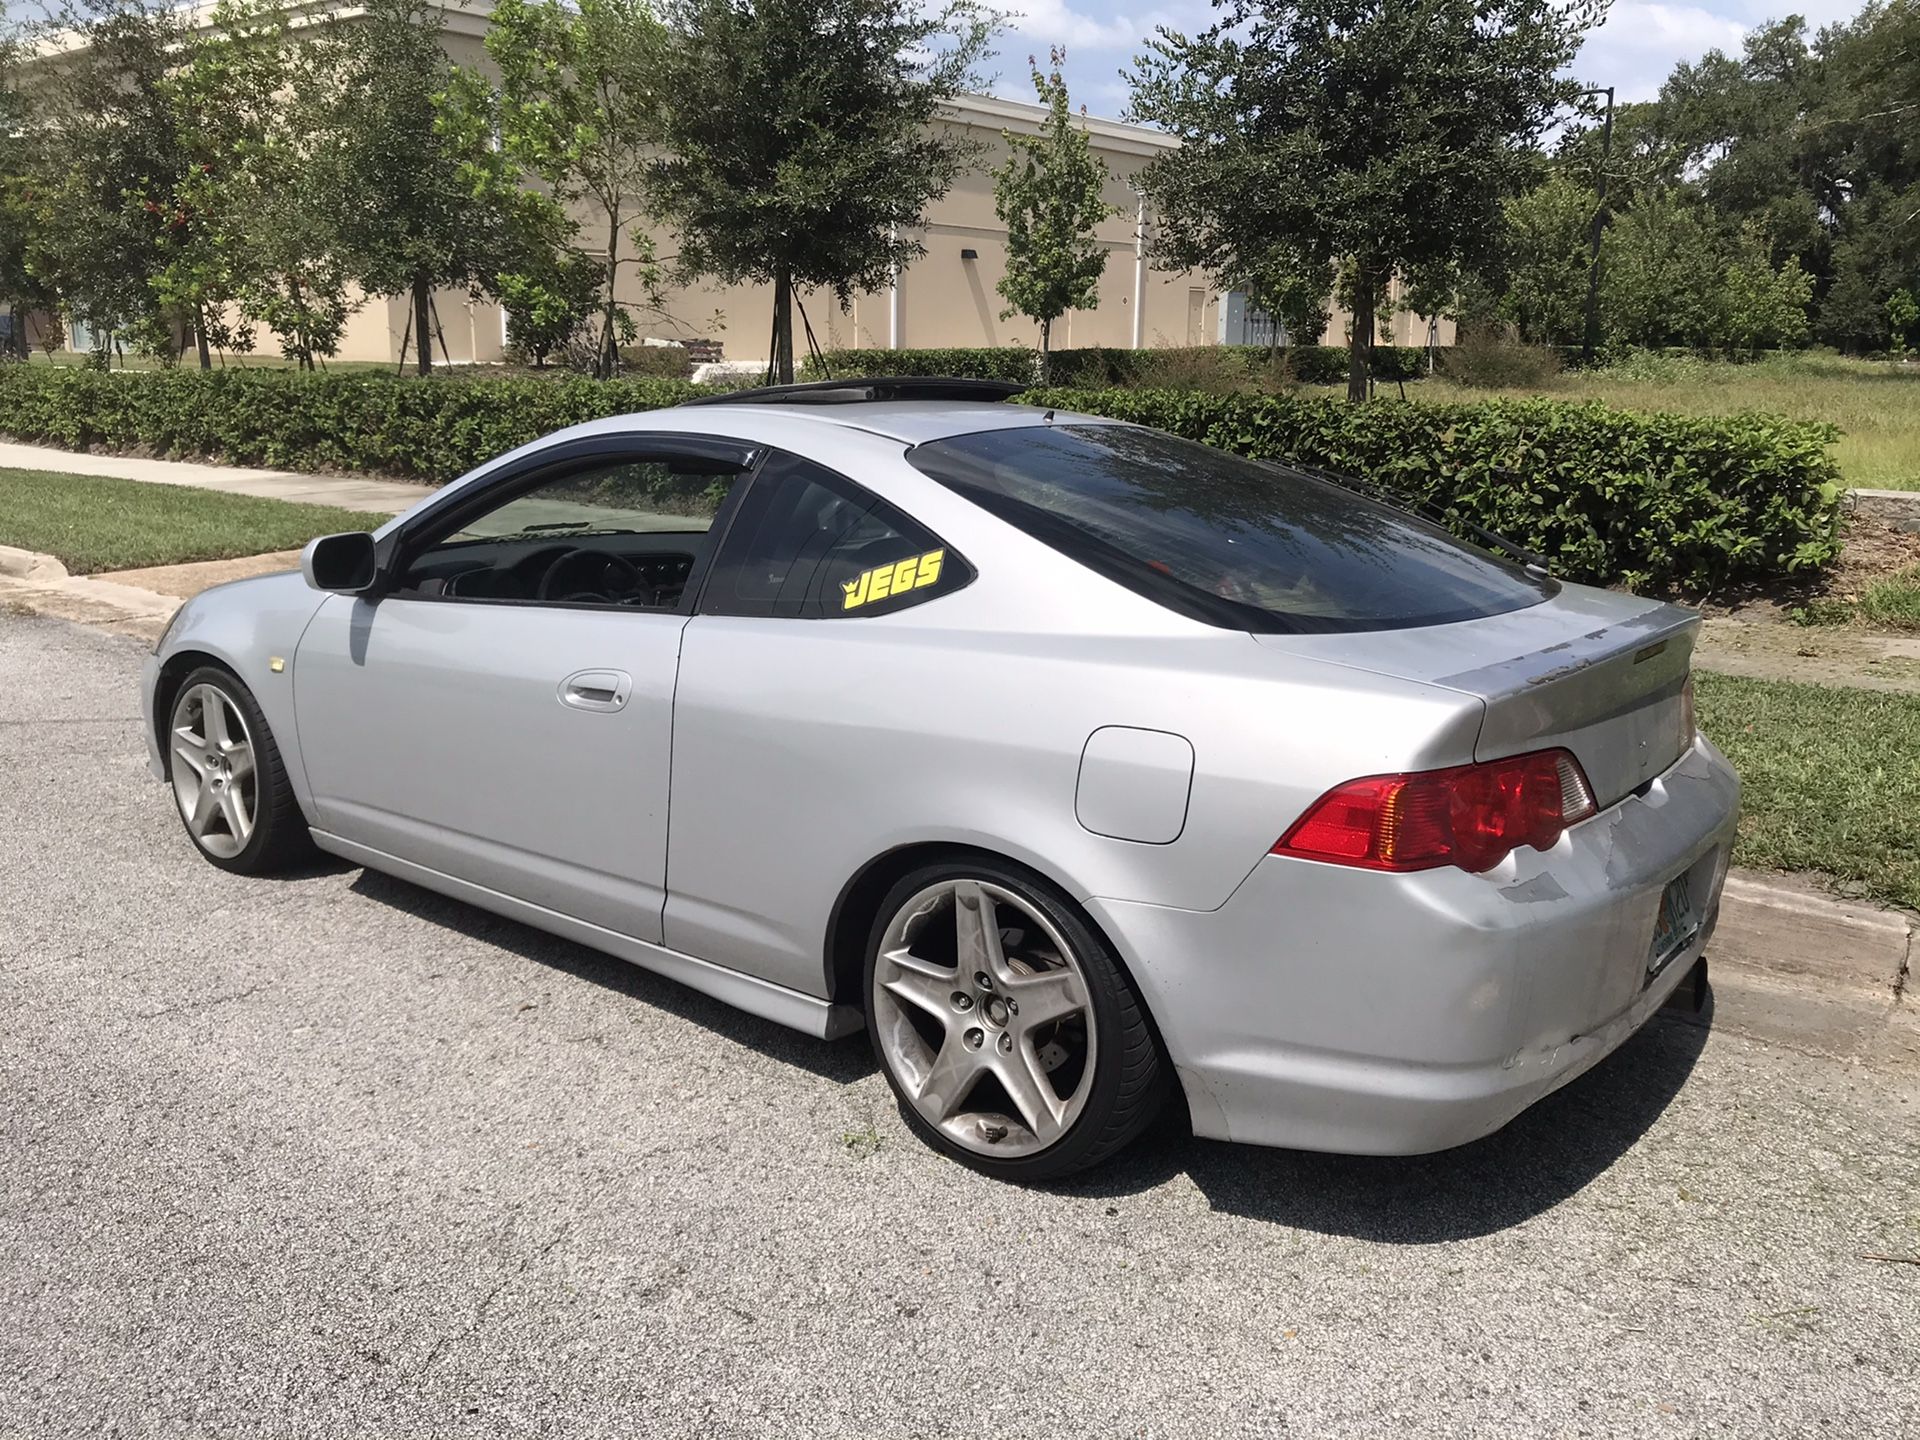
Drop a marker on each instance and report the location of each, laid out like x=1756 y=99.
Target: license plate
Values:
x=1674 y=930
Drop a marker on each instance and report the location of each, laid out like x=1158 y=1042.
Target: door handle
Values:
x=596 y=689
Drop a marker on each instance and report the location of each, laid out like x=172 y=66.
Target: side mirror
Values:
x=343 y=564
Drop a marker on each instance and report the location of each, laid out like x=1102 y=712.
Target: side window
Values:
x=812 y=545
x=606 y=531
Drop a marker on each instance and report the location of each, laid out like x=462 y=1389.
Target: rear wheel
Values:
x=229 y=782
x=1006 y=1027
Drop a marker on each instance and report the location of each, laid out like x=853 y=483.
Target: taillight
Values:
x=1689 y=726
x=1472 y=816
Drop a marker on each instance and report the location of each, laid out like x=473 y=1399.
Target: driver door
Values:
x=502 y=713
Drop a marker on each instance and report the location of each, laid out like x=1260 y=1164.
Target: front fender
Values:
x=244 y=626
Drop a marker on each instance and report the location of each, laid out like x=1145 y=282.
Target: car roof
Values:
x=912 y=422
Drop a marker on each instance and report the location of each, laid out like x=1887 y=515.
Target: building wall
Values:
x=944 y=298
x=947 y=298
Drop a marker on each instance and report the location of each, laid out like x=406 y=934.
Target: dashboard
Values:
x=647 y=570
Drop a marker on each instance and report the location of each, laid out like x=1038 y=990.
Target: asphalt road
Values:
x=333 y=1156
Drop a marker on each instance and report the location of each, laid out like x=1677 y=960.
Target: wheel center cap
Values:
x=996 y=1011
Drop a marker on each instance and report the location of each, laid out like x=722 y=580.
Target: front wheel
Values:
x=228 y=779
x=1011 y=1037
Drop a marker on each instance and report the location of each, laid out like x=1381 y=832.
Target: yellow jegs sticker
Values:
x=916 y=572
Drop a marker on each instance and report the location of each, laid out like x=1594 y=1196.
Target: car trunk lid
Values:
x=1601 y=674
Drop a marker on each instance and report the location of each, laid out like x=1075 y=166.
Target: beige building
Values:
x=946 y=297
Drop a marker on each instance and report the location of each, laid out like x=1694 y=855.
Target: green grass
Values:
x=1876 y=404
x=1893 y=601
x=92 y=524
x=1831 y=777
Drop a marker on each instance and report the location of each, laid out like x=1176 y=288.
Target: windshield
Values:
x=1233 y=542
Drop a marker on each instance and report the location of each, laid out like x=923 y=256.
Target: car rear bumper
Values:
x=1327 y=1008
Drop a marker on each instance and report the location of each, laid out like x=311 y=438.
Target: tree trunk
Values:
x=1360 y=348
x=783 y=328
x=1046 y=352
x=422 y=318
x=302 y=351
x=608 y=360
x=200 y=339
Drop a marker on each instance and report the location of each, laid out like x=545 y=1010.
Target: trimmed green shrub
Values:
x=1009 y=362
x=427 y=429
x=1093 y=367
x=1604 y=495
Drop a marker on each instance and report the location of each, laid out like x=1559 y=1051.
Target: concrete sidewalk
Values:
x=346 y=491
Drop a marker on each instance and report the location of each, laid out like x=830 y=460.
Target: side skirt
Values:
x=806 y=1013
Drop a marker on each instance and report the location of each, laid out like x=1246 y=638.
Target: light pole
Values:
x=1590 y=341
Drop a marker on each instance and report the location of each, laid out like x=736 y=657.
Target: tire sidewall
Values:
x=1106 y=983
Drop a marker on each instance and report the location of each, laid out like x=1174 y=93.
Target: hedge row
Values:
x=1605 y=495
x=1098 y=366
x=425 y=429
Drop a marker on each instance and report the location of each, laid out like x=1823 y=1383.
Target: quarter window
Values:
x=812 y=545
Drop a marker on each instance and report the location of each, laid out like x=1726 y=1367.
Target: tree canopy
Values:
x=802 y=140
x=1050 y=194
x=1384 y=132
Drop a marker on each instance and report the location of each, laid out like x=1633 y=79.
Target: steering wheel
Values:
x=573 y=578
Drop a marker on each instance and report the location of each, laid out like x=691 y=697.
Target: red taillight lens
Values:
x=1472 y=816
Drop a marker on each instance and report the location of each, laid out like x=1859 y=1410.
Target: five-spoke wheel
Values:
x=1004 y=1024
x=213 y=769
x=228 y=779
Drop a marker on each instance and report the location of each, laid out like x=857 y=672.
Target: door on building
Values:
x=1196 y=316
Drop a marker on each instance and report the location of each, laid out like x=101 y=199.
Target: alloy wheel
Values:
x=214 y=779
x=983 y=1014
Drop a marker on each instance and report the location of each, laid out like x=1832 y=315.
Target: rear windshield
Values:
x=1232 y=542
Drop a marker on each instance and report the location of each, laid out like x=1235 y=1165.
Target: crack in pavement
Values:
x=486 y=1301
x=193 y=1005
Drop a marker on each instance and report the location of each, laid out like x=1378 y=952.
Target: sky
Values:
x=1634 y=49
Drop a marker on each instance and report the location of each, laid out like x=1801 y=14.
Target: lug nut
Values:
x=1006 y=1042
x=962 y=1000
x=975 y=1039
x=983 y=980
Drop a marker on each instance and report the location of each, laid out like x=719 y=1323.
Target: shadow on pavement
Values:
x=842 y=1061
x=1549 y=1153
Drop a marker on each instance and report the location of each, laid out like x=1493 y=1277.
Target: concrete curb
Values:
x=40 y=585
x=1784 y=925
x=1893 y=506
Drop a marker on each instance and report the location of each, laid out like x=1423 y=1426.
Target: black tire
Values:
x=280 y=839
x=1131 y=1077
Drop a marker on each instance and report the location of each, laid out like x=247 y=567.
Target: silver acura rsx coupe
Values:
x=1080 y=764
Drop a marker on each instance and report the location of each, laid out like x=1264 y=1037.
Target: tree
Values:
x=1764 y=304
x=801 y=143
x=1661 y=281
x=1547 y=261
x=1903 y=318
x=1383 y=131
x=22 y=292
x=410 y=220
x=1050 y=194
x=227 y=94
x=577 y=115
x=112 y=186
